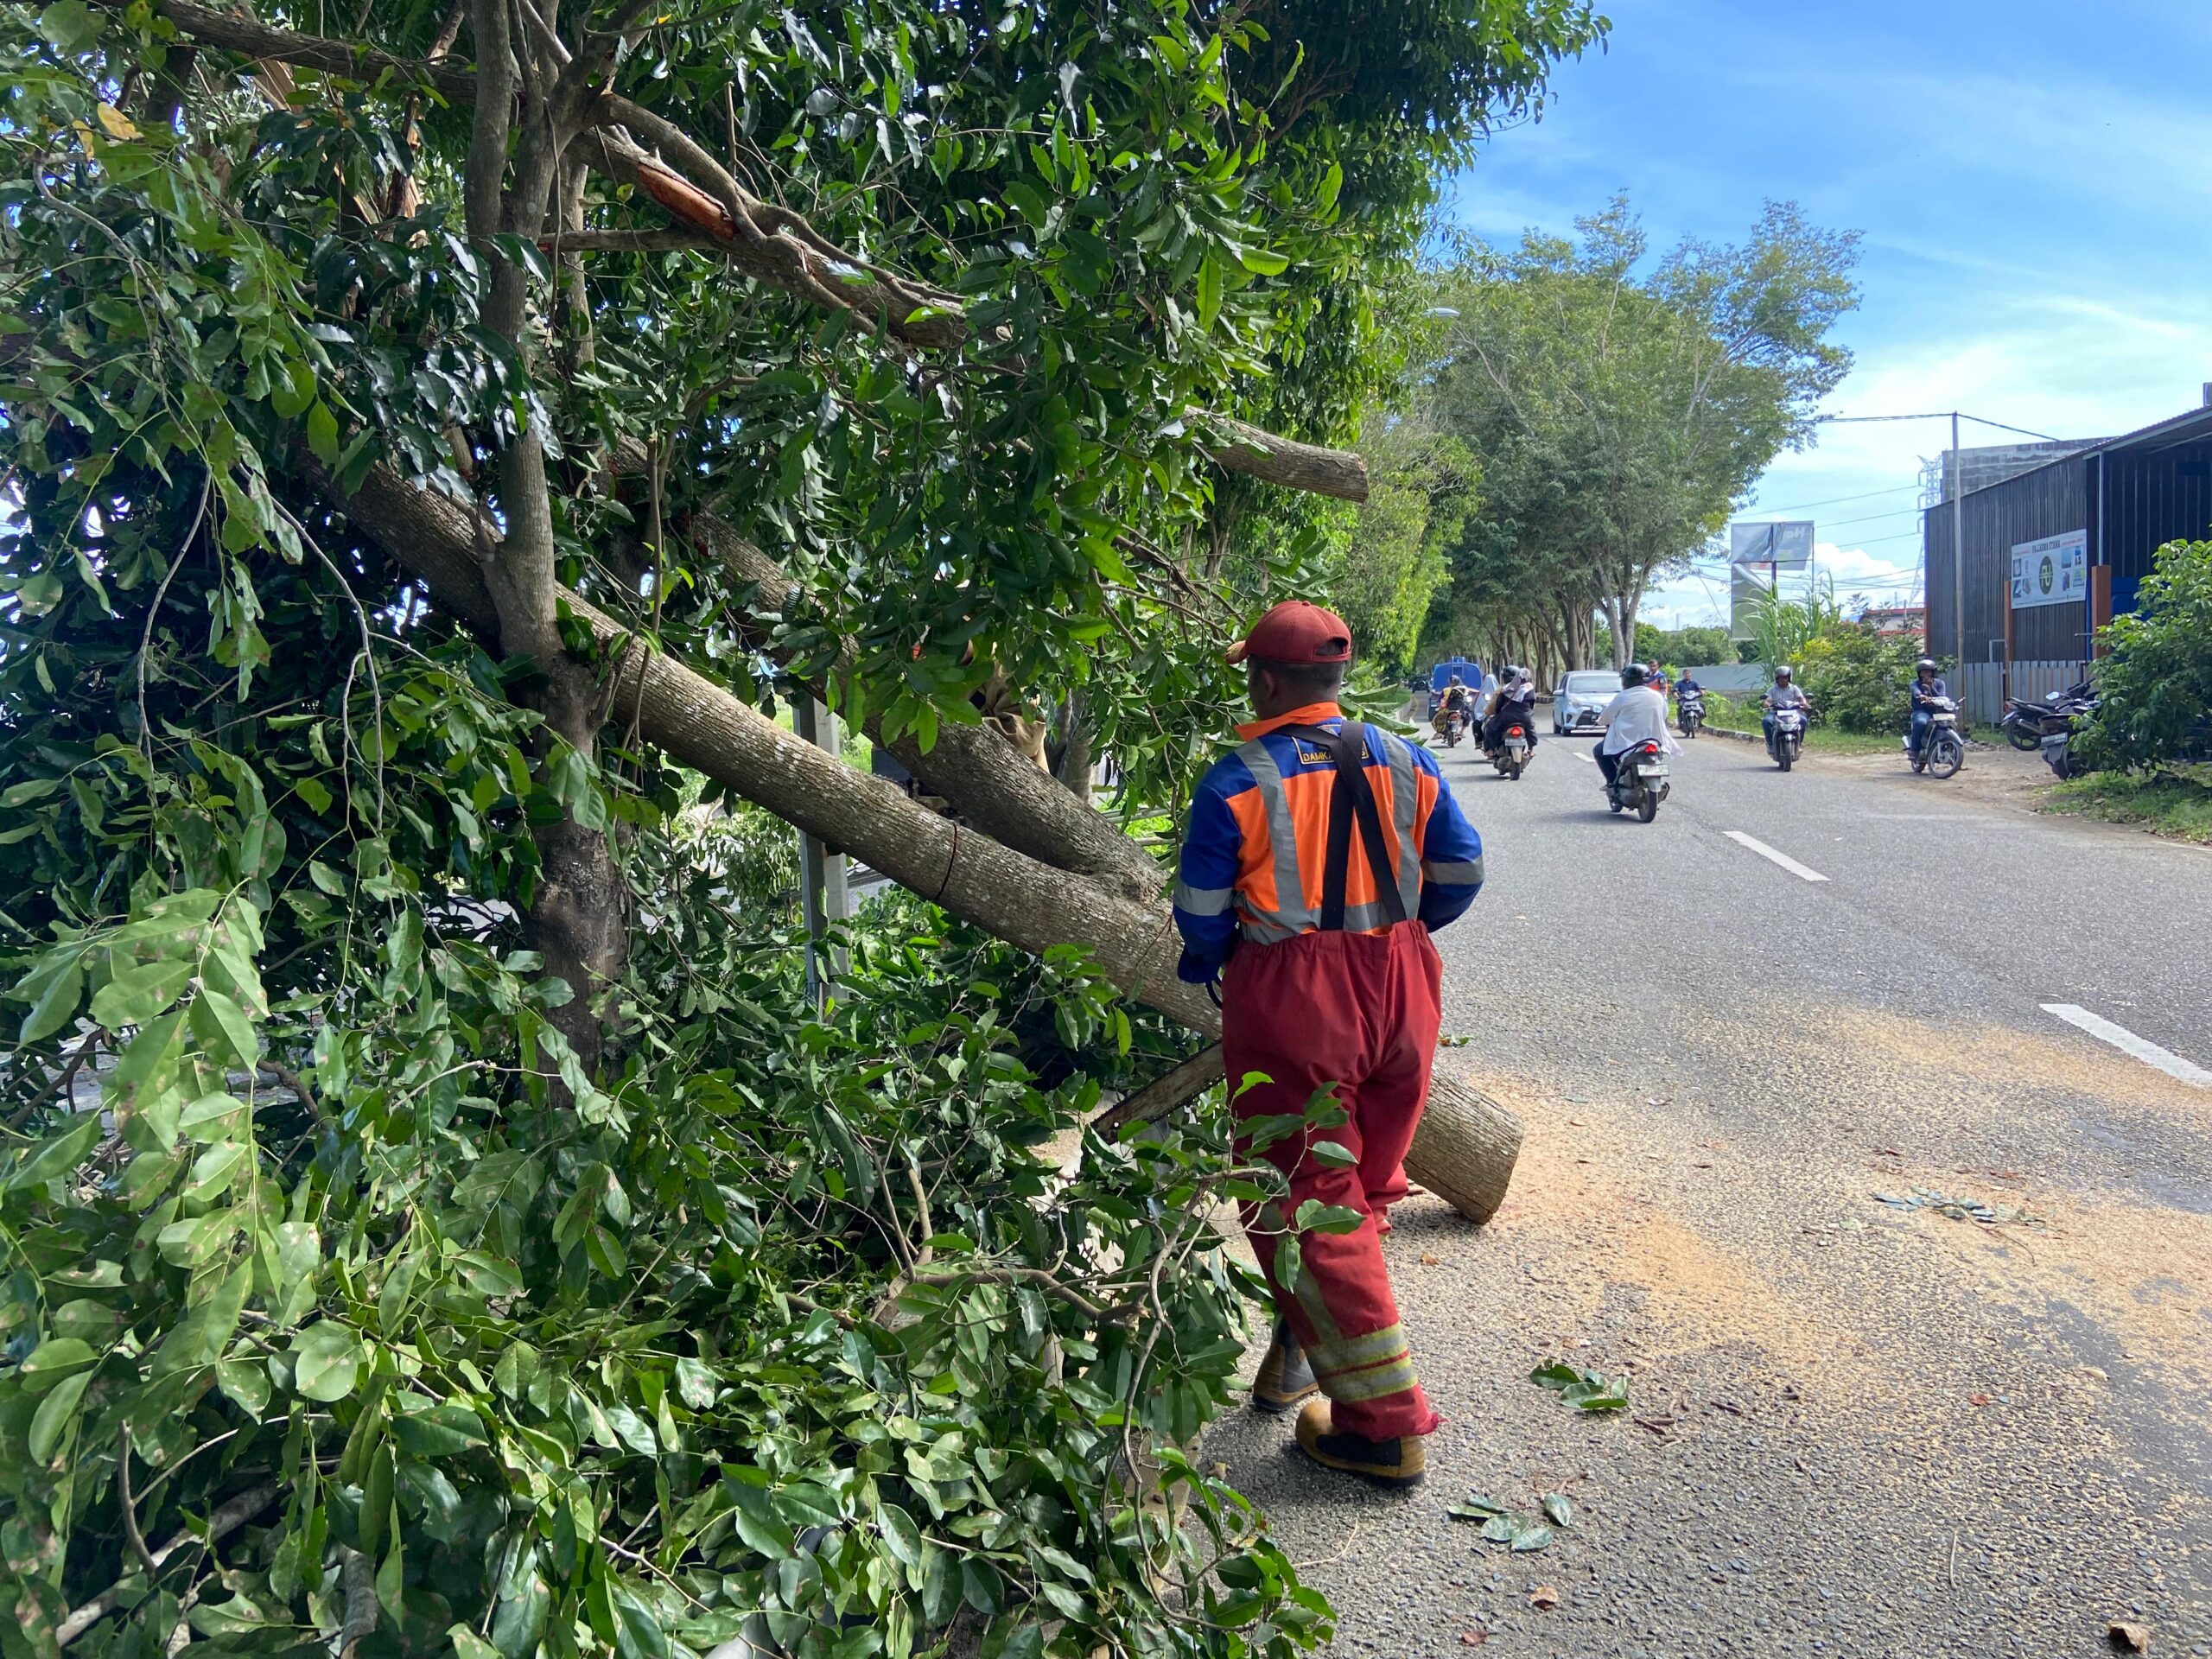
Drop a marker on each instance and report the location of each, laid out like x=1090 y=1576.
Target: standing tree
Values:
x=430 y=446
x=1618 y=411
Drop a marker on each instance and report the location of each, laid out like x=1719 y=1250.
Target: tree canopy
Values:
x=433 y=449
x=1618 y=407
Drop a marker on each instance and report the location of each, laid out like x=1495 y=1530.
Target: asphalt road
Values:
x=1855 y=1429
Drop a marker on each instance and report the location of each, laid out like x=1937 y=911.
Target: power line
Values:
x=1935 y=415
x=1801 y=506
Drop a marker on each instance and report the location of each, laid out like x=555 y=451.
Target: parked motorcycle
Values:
x=1943 y=751
x=2026 y=723
x=1510 y=756
x=1639 y=782
x=2058 y=754
x=1690 y=712
x=1787 y=741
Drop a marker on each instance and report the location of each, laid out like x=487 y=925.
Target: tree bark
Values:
x=1467 y=1144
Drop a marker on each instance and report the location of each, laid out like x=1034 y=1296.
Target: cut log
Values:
x=1464 y=1150
x=1467 y=1144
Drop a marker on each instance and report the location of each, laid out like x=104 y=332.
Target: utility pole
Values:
x=1959 y=554
x=822 y=872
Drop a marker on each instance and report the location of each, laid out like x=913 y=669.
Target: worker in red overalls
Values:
x=1320 y=855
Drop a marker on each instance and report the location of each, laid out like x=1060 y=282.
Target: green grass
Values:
x=1732 y=715
x=2175 y=804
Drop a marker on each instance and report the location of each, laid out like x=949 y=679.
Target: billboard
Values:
x=1787 y=542
x=2052 y=571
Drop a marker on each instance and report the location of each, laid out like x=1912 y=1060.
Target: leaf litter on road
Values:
x=1961 y=1208
x=1588 y=1391
x=1522 y=1533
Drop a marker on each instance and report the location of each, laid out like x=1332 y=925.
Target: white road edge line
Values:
x=2128 y=1043
x=1771 y=856
x=1578 y=755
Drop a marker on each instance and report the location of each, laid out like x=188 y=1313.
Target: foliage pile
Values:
x=477 y=1244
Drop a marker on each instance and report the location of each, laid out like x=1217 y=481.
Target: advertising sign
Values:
x=2052 y=571
x=1788 y=543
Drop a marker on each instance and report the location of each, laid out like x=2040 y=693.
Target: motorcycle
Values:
x=1510 y=756
x=1639 y=782
x=1450 y=725
x=1690 y=712
x=1943 y=751
x=2057 y=746
x=2026 y=723
x=1788 y=740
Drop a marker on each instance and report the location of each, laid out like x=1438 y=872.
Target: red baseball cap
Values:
x=1295 y=633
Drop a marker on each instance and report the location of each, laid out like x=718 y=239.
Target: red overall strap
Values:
x=1352 y=795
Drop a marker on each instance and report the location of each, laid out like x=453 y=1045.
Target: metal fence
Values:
x=1985 y=684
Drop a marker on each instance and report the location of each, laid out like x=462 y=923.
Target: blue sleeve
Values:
x=1451 y=854
x=1206 y=882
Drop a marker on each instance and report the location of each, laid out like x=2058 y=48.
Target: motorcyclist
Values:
x=1457 y=700
x=1784 y=693
x=1927 y=686
x=1516 y=701
x=1637 y=716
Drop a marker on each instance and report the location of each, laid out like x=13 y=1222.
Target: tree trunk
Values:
x=1467 y=1145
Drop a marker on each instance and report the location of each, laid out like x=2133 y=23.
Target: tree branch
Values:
x=223 y=1521
x=259 y=40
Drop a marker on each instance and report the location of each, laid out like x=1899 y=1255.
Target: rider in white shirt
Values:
x=1638 y=714
x=1784 y=693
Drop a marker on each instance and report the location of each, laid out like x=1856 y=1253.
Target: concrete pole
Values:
x=1959 y=555
x=822 y=872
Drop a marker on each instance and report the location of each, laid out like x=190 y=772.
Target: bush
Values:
x=1859 y=679
x=2157 y=682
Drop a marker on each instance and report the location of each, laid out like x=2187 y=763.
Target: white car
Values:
x=1579 y=699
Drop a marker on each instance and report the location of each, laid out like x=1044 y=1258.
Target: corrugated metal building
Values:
x=2127 y=496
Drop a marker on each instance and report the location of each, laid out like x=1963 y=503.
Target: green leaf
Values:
x=466 y=1644
x=1556 y=1506
x=1315 y=1217
x=244 y=1383
x=440 y=1432
x=1333 y=1154
x=694 y=1384
x=1557 y=1375
x=637 y=1632
x=57 y=1002
x=323 y=433
x=60 y=1154
x=1530 y=1536
x=1475 y=1507
x=56 y=1413
x=223 y=1028
x=326 y=1361
x=1261 y=263
x=900 y=1535
x=138 y=993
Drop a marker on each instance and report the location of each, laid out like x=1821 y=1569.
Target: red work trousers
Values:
x=1360 y=1011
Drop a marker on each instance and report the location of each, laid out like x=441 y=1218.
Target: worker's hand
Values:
x=1194 y=969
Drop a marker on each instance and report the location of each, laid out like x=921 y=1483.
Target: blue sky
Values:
x=2033 y=180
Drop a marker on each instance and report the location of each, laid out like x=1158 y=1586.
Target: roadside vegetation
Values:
x=2148 y=742
x=437 y=1218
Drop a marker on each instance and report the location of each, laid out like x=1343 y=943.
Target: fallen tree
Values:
x=1467 y=1144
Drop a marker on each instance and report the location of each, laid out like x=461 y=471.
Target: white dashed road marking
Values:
x=1578 y=755
x=2128 y=1043
x=1771 y=856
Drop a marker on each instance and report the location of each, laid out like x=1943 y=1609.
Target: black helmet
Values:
x=1511 y=673
x=1925 y=665
x=1633 y=675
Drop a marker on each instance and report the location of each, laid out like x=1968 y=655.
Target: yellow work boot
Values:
x=1400 y=1462
x=1284 y=1377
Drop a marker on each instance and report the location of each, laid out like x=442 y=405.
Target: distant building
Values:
x=2053 y=551
x=1895 y=622
x=1993 y=463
